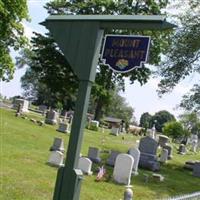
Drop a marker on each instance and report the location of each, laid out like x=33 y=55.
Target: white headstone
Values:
x=123 y=168
x=24 y=104
x=194 y=141
x=64 y=128
x=135 y=153
x=85 y=164
x=153 y=132
x=164 y=156
x=56 y=158
x=94 y=123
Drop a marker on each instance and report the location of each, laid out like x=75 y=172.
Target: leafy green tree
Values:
x=191 y=122
x=119 y=108
x=183 y=56
x=146 y=120
x=11 y=33
x=48 y=79
x=174 y=129
x=160 y=118
x=107 y=80
x=191 y=101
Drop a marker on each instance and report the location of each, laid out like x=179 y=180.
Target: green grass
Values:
x=24 y=174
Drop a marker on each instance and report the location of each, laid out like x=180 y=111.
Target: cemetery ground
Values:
x=24 y=174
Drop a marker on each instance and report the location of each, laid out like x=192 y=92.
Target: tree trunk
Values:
x=98 y=110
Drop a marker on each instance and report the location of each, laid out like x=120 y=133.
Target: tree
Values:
x=191 y=122
x=107 y=80
x=174 y=129
x=11 y=33
x=49 y=79
x=146 y=120
x=160 y=118
x=191 y=101
x=183 y=56
x=119 y=108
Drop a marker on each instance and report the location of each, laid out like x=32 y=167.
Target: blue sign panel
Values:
x=124 y=53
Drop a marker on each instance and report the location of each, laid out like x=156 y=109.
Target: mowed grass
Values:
x=24 y=174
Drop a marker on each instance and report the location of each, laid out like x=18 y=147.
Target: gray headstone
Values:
x=51 y=117
x=189 y=164
x=169 y=149
x=112 y=158
x=182 y=149
x=115 y=131
x=148 y=145
x=196 y=169
x=135 y=153
x=58 y=145
x=123 y=168
x=94 y=154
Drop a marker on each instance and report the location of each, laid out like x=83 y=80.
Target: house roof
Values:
x=112 y=119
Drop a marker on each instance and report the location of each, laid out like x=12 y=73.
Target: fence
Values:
x=193 y=196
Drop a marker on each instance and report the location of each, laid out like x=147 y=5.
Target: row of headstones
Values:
x=183 y=150
x=52 y=118
x=124 y=164
x=148 y=147
x=145 y=155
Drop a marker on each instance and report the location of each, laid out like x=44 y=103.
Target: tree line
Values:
x=49 y=79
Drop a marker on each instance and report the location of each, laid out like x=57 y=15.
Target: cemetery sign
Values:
x=123 y=53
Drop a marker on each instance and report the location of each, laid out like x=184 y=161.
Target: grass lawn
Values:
x=24 y=174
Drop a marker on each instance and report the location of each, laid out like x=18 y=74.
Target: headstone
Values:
x=123 y=168
x=148 y=145
x=51 y=117
x=24 y=105
x=196 y=169
x=135 y=153
x=93 y=125
x=182 y=149
x=85 y=164
x=148 y=159
x=58 y=145
x=152 y=133
x=169 y=149
x=194 y=141
x=33 y=120
x=189 y=164
x=63 y=127
x=56 y=159
x=112 y=158
x=115 y=130
x=164 y=156
x=163 y=140
x=42 y=108
x=94 y=154
x=158 y=177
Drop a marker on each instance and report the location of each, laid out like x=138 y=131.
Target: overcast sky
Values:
x=141 y=98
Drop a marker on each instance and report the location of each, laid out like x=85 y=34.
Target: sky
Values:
x=141 y=98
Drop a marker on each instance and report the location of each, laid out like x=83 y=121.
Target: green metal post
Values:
x=69 y=188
